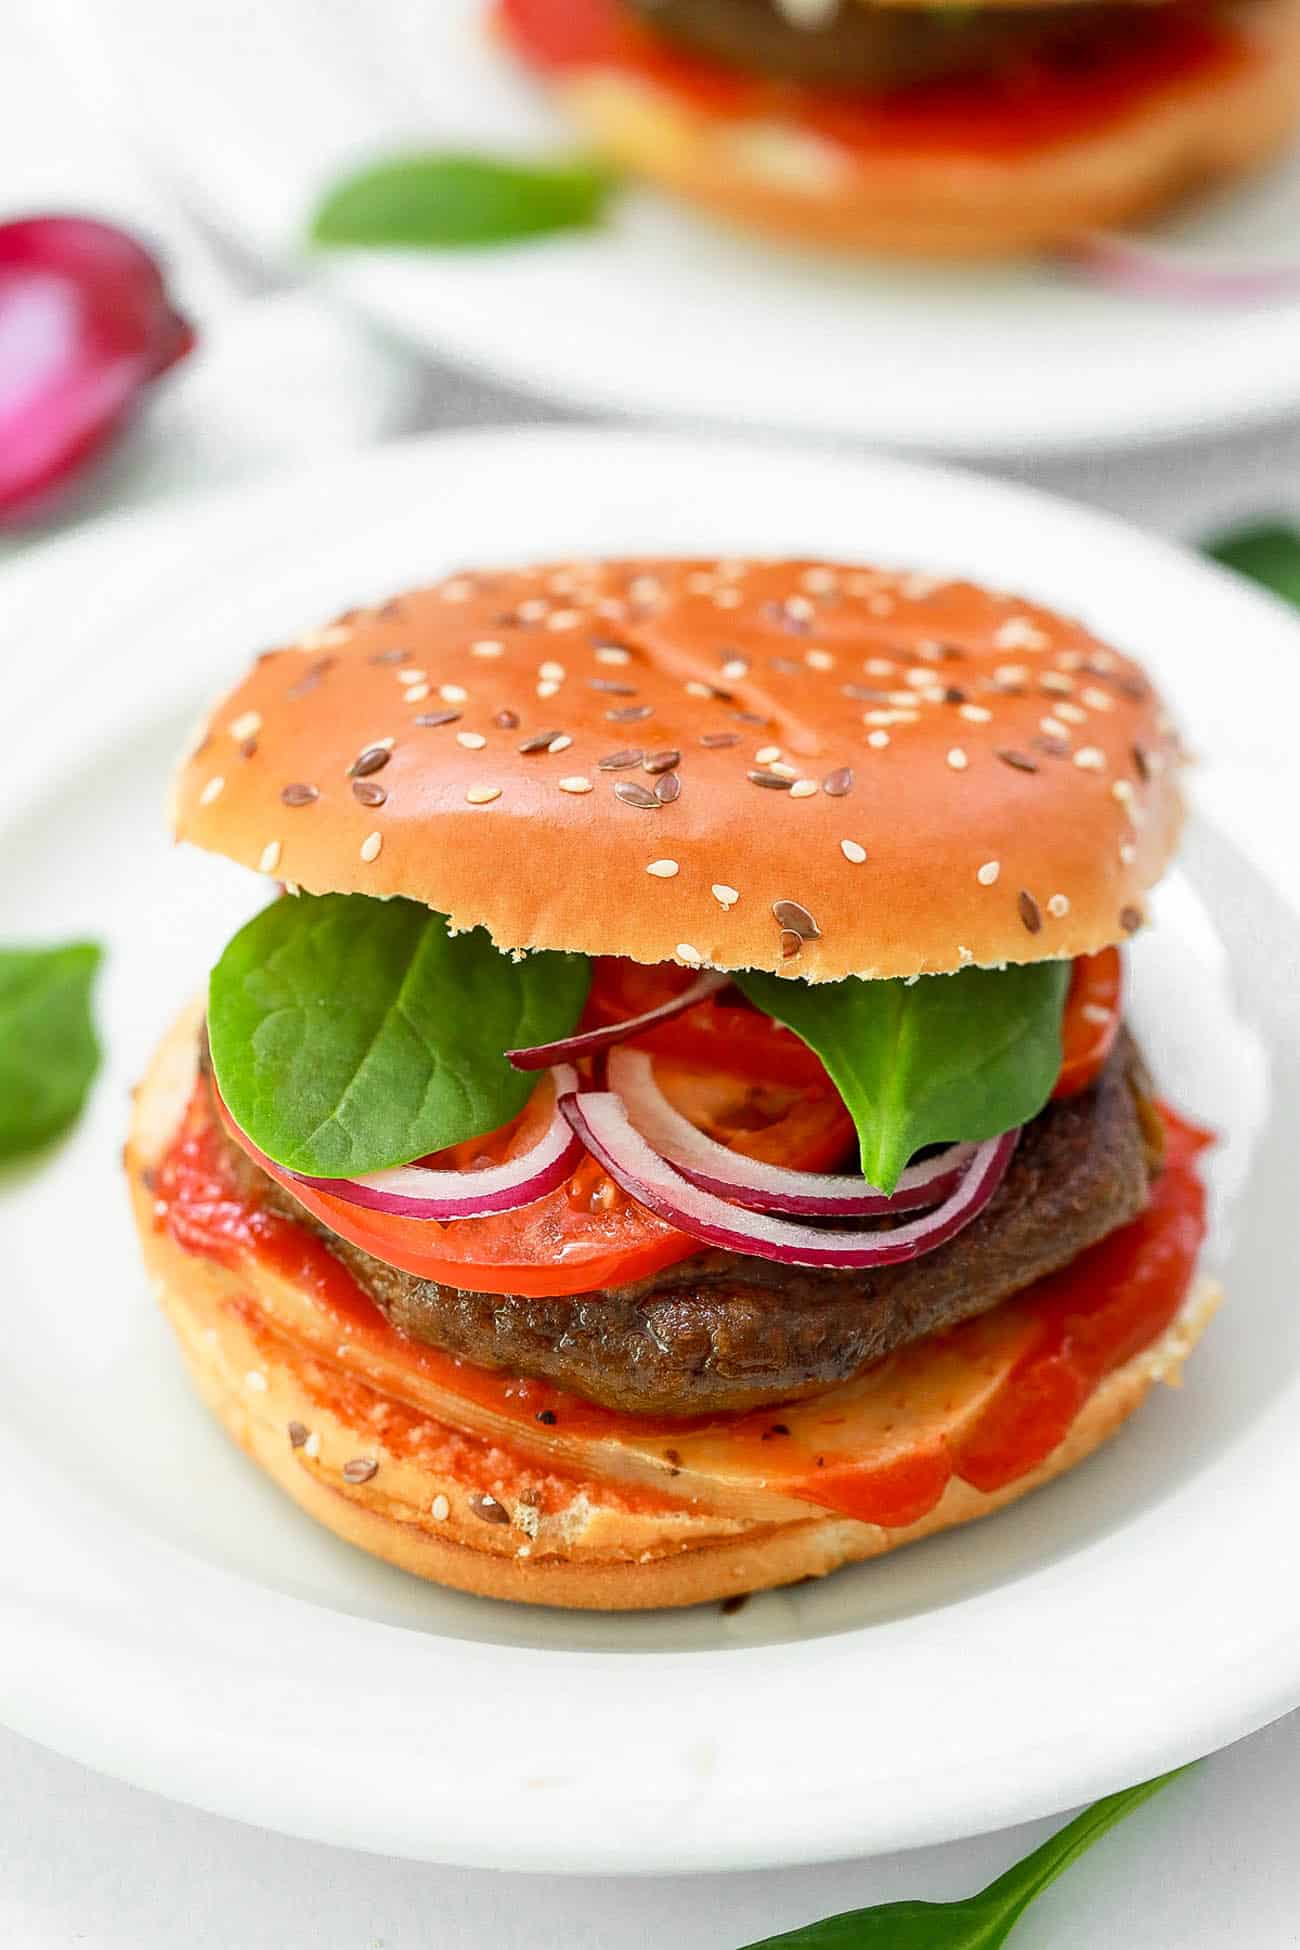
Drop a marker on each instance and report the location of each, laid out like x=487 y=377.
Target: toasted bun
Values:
x=926 y=773
x=545 y=1541
x=777 y=177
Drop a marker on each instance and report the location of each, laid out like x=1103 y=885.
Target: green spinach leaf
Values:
x=451 y=201
x=349 y=1034
x=939 y=1060
x=49 y=1052
x=1267 y=552
x=982 y=1922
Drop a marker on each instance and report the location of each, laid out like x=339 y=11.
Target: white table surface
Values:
x=87 y=1861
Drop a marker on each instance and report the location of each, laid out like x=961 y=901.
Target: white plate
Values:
x=257 y=109
x=167 y=1616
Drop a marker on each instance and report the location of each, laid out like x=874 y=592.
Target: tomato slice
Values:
x=1093 y=1008
x=725 y=1033
x=588 y=1233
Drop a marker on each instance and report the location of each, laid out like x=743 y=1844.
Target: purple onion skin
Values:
x=85 y=327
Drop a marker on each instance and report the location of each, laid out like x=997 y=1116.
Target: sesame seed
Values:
x=735 y=667
x=1089 y=758
x=1098 y=700
x=974 y=713
x=1058 y=907
x=819 y=582
x=479 y=795
x=853 y=852
x=533 y=610
x=416 y=694
x=547 y=688
x=1142 y=763
x=1122 y=790
x=629 y=713
x=431 y=719
x=695 y=689
x=360 y=1469
x=473 y=741
x=958 y=759
x=297 y=1433
x=488 y=648
x=920 y=680
x=552 y=672
x=1010 y=677
x=766 y=753
x=561 y=743
x=409 y=675
x=803 y=789
x=453 y=693
x=247 y=725
x=838 y=784
x=1029 y=911
x=563 y=619
x=772 y=780
x=686 y=953
x=1018 y=761
x=440 y=1509
x=819 y=660
x=668 y=788
x=540 y=741
x=988 y=873
x=878 y=740
x=665 y=761
x=1053 y=728
x=663 y=869
x=1127 y=852
x=719 y=741
x=270 y=859
x=725 y=896
x=1070 y=713
x=1019 y=633
x=879 y=667
x=1056 y=682
x=311 y=1447
x=370 y=846
x=256 y=1381
x=612 y=653
x=620 y=761
x=1130 y=919
x=367 y=792
x=212 y=790
x=577 y=783
x=299 y=794
x=504 y=721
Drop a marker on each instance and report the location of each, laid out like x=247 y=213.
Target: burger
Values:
x=671 y=1129
x=896 y=127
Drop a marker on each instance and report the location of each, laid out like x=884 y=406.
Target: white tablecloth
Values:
x=86 y=1861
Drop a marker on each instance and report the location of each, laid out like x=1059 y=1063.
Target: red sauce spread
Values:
x=1028 y=107
x=1072 y=1329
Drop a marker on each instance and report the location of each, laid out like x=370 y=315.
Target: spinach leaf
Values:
x=938 y=1060
x=49 y=1052
x=451 y=201
x=349 y=1034
x=1267 y=552
x=982 y=1922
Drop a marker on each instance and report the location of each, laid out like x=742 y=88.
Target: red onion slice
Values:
x=570 y=1048
x=765 y=1187
x=1146 y=270
x=421 y=1192
x=601 y=1121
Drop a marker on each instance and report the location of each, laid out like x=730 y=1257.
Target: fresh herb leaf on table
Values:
x=351 y=1034
x=49 y=1052
x=447 y=201
x=981 y=1922
x=940 y=1060
x=1266 y=552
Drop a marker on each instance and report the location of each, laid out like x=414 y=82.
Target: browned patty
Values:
x=722 y=1331
x=884 y=48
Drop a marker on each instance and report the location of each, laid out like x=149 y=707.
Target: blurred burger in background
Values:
x=888 y=126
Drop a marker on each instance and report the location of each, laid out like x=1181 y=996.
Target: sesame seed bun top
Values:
x=824 y=769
